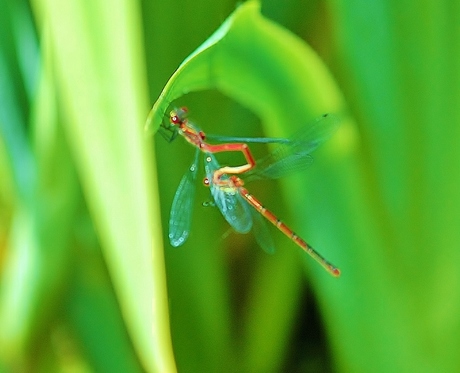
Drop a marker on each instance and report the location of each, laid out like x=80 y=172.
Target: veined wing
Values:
x=232 y=206
x=181 y=211
x=294 y=155
x=253 y=140
x=261 y=232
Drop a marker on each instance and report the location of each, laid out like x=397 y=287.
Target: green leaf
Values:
x=267 y=69
x=260 y=65
x=398 y=203
x=36 y=259
x=91 y=308
x=98 y=56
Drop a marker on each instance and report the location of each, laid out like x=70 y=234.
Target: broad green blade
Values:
x=273 y=73
x=238 y=58
x=98 y=53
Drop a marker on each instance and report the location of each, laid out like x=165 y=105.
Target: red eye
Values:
x=175 y=119
x=178 y=116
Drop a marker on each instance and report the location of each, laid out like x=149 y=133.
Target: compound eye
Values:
x=175 y=119
x=178 y=116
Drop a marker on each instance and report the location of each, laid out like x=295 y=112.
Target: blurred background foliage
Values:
x=85 y=197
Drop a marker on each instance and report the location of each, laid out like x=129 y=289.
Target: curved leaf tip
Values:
x=259 y=64
x=194 y=73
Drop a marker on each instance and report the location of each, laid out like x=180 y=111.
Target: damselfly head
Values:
x=177 y=116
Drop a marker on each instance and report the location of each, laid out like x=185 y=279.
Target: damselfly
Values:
x=242 y=210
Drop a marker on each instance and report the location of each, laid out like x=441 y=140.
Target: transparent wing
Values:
x=232 y=206
x=257 y=140
x=261 y=232
x=180 y=217
x=294 y=155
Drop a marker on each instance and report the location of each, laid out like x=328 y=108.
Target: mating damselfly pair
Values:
x=227 y=184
